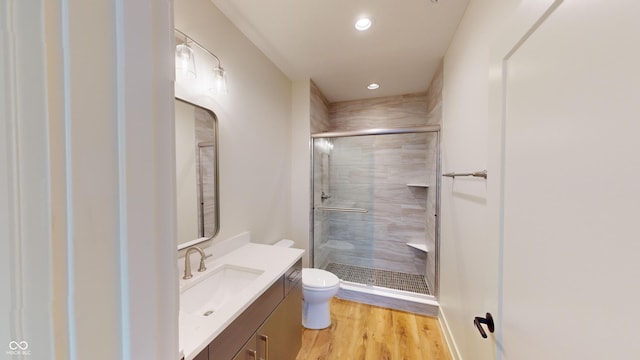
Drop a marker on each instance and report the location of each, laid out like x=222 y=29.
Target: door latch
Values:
x=487 y=320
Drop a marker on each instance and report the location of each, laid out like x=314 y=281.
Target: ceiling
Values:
x=316 y=39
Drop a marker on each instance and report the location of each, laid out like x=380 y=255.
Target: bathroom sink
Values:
x=210 y=292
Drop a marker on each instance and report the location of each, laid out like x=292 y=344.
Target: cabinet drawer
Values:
x=232 y=339
x=292 y=276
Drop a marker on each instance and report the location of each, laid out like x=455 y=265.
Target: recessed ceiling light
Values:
x=363 y=24
x=373 y=86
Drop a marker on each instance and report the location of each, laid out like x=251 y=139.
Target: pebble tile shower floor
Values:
x=384 y=278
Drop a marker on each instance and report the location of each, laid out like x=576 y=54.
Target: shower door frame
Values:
x=386 y=131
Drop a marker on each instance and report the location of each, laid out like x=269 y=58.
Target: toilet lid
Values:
x=317 y=278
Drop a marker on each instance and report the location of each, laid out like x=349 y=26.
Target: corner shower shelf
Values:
x=419 y=185
x=421 y=247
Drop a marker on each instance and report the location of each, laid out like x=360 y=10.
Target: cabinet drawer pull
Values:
x=265 y=338
x=253 y=353
x=294 y=275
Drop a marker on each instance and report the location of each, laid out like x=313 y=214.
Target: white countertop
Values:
x=196 y=332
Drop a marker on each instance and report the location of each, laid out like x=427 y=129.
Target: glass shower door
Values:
x=343 y=190
x=373 y=209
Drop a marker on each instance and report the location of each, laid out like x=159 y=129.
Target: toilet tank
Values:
x=284 y=243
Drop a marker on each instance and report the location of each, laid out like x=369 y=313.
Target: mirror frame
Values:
x=216 y=178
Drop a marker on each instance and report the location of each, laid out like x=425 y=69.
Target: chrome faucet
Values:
x=187 y=263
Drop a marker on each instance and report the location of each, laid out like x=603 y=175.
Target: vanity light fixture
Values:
x=218 y=78
x=219 y=83
x=363 y=24
x=373 y=86
x=185 y=59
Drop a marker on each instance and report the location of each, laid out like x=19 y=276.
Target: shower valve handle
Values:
x=487 y=320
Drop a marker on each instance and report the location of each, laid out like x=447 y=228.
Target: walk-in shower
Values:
x=375 y=204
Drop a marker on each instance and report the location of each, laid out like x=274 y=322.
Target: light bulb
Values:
x=185 y=61
x=363 y=24
x=219 y=85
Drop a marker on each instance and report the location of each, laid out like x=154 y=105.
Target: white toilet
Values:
x=318 y=288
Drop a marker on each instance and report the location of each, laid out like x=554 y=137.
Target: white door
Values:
x=566 y=108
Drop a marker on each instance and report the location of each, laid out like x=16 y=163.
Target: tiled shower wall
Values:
x=373 y=173
x=319 y=110
x=319 y=123
x=387 y=112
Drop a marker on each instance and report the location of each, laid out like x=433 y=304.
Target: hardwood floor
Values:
x=364 y=332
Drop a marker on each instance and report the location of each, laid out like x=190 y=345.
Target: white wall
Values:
x=254 y=122
x=92 y=152
x=25 y=217
x=468 y=255
x=89 y=227
x=300 y=166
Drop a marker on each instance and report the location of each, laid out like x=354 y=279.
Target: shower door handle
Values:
x=487 y=320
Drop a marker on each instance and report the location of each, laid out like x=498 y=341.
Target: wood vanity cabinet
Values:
x=269 y=329
x=280 y=337
x=204 y=355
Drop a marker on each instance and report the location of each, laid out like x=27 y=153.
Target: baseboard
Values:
x=451 y=343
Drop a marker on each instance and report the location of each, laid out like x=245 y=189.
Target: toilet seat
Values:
x=319 y=279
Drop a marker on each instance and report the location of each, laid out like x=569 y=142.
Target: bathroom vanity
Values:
x=269 y=328
x=259 y=314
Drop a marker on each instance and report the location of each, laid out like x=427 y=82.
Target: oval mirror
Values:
x=196 y=174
